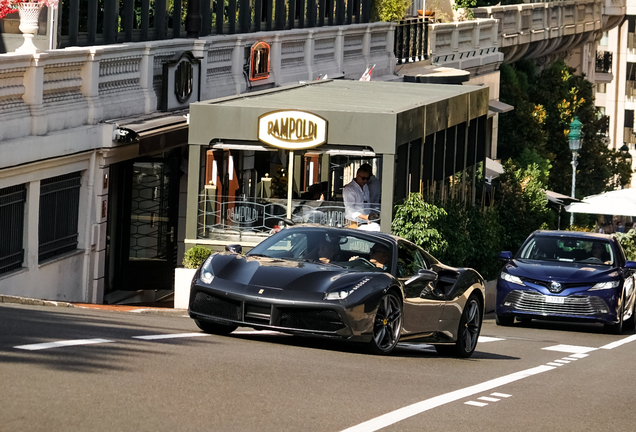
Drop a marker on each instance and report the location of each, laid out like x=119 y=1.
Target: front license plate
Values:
x=557 y=300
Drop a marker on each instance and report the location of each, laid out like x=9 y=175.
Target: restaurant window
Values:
x=601 y=88
x=12 y=200
x=59 y=213
x=244 y=188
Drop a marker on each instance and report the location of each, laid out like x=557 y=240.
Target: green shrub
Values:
x=389 y=10
x=418 y=221
x=628 y=241
x=195 y=256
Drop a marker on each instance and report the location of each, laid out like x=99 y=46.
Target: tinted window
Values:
x=568 y=249
x=410 y=260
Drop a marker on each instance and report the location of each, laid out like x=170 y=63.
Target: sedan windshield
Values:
x=568 y=249
x=327 y=247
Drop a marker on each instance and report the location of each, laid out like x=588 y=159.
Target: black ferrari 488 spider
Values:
x=341 y=283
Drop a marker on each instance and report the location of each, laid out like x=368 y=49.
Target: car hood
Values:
x=282 y=273
x=560 y=271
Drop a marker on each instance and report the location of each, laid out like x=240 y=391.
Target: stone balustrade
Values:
x=64 y=89
x=545 y=30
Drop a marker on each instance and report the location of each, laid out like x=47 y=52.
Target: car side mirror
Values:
x=630 y=264
x=426 y=275
x=234 y=248
x=505 y=256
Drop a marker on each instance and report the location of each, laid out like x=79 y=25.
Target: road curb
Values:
x=112 y=308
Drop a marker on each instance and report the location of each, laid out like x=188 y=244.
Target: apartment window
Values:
x=601 y=88
x=12 y=201
x=629 y=118
x=604 y=40
x=59 y=209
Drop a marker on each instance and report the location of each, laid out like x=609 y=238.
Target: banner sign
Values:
x=292 y=129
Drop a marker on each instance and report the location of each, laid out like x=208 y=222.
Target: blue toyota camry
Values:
x=567 y=275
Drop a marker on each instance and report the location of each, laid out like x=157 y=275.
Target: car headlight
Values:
x=605 y=285
x=206 y=271
x=342 y=294
x=512 y=279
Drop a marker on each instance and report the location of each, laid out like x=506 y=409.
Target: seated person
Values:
x=379 y=256
x=599 y=252
x=328 y=251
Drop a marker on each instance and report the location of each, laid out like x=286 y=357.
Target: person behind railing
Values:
x=356 y=200
x=375 y=189
x=313 y=192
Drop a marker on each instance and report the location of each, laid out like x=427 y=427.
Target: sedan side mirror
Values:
x=505 y=256
x=234 y=248
x=630 y=264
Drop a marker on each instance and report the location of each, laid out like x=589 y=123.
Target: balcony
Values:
x=603 y=67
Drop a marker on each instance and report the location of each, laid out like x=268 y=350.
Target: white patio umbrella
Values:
x=618 y=203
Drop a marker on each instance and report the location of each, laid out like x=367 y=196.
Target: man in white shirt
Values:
x=356 y=198
x=375 y=188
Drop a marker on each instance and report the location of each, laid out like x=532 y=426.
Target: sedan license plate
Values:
x=552 y=299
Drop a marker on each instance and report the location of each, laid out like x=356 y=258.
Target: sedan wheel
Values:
x=387 y=325
x=468 y=332
x=617 y=328
x=214 y=328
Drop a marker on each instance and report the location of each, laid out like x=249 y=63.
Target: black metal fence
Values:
x=103 y=22
x=603 y=62
x=59 y=212
x=411 y=40
x=12 y=201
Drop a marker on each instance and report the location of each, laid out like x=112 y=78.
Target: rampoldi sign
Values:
x=292 y=129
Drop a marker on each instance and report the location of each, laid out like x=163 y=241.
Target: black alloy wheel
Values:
x=387 y=325
x=630 y=323
x=504 y=320
x=214 y=328
x=468 y=331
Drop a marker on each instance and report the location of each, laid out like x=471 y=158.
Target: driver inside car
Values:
x=599 y=252
x=378 y=256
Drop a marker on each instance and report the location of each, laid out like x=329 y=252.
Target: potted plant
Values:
x=192 y=260
x=29 y=13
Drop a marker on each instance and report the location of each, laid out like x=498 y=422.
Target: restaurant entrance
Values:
x=143 y=223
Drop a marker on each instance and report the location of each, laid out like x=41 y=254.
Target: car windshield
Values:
x=568 y=249
x=343 y=249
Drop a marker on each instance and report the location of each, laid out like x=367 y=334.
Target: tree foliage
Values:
x=389 y=10
x=537 y=130
x=418 y=221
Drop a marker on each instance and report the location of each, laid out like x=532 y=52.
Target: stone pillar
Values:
x=34 y=94
x=90 y=85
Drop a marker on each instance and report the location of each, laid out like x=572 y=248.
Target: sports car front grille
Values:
x=216 y=306
x=311 y=319
x=532 y=302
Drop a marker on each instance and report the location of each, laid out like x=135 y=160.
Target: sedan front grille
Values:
x=216 y=306
x=311 y=319
x=533 y=302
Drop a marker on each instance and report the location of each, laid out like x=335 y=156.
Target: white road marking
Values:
x=570 y=349
x=570 y=358
x=170 y=336
x=562 y=361
x=479 y=404
x=41 y=346
x=555 y=364
x=579 y=356
x=428 y=404
x=483 y=339
x=619 y=343
x=503 y=395
x=489 y=399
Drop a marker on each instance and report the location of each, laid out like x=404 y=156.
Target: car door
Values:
x=422 y=303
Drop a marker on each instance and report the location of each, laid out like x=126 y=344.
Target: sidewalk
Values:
x=142 y=308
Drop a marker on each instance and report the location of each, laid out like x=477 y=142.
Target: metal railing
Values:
x=263 y=216
x=411 y=40
x=12 y=200
x=59 y=215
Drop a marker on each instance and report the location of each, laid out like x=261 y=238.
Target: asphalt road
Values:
x=114 y=371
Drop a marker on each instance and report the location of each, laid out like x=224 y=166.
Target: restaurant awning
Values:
x=157 y=132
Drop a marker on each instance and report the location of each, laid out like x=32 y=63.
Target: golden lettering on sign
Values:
x=293 y=130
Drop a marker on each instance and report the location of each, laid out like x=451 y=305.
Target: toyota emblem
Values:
x=555 y=287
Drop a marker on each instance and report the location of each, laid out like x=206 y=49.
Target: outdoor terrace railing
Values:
x=255 y=216
x=62 y=89
x=411 y=40
x=604 y=62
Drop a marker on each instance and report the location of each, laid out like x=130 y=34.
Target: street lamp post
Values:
x=574 y=138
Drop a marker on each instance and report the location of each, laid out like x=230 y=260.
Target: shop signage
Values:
x=292 y=130
x=241 y=214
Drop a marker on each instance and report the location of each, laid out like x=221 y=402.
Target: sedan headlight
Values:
x=342 y=294
x=512 y=279
x=206 y=271
x=605 y=285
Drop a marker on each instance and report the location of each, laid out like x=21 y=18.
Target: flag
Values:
x=366 y=76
